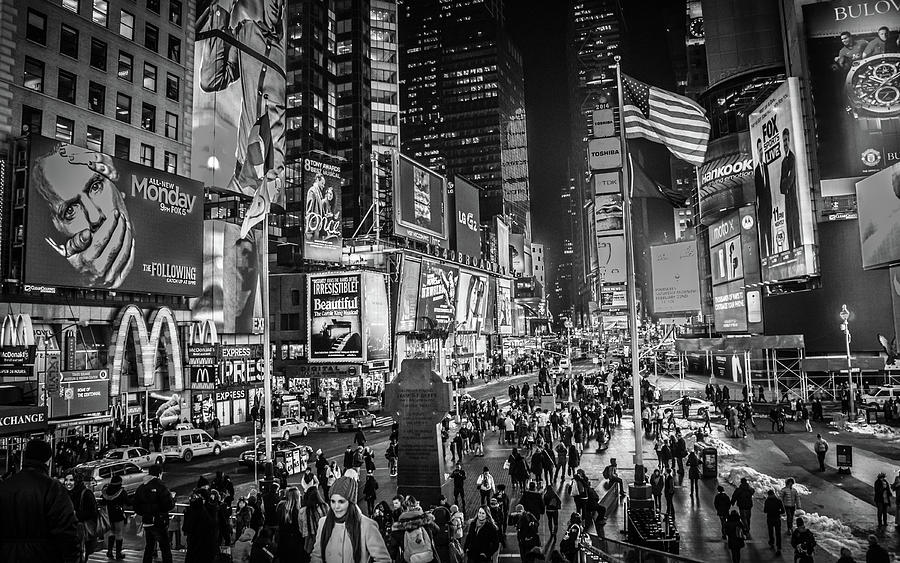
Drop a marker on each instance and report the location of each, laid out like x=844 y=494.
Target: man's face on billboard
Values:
x=245 y=264
x=786 y=141
x=846 y=39
x=882 y=34
x=759 y=151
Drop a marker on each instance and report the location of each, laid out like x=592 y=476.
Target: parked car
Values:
x=138 y=456
x=564 y=364
x=258 y=454
x=98 y=473
x=880 y=395
x=352 y=419
x=697 y=408
x=371 y=404
x=286 y=428
x=187 y=443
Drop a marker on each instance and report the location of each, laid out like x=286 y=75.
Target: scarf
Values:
x=352 y=524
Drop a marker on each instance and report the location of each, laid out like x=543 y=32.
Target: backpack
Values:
x=417 y=546
x=456 y=526
x=606 y=472
x=569 y=544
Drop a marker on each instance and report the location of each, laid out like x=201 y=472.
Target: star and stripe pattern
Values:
x=663 y=117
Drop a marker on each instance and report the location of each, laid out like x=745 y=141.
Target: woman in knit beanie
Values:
x=344 y=534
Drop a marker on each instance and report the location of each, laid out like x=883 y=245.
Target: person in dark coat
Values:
x=693 y=464
x=85 y=511
x=527 y=533
x=482 y=540
x=200 y=525
x=876 y=553
x=518 y=468
x=37 y=520
x=773 y=510
x=114 y=499
x=533 y=502
x=743 y=498
x=735 y=534
x=153 y=501
x=442 y=536
x=370 y=493
x=722 y=504
x=290 y=533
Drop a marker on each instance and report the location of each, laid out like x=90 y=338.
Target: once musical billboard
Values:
x=787 y=238
x=322 y=239
x=100 y=222
x=334 y=316
x=239 y=97
x=676 y=283
x=420 y=203
x=878 y=202
x=232 y=297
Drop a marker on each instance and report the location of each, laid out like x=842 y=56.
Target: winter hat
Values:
x=38 y=450
x=202 y=482
x=345 y=487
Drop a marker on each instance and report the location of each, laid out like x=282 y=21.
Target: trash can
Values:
x=709 y=459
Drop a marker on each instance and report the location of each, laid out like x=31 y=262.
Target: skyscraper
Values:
x=463 y=99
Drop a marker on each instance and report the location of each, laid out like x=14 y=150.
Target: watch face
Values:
x=696 y=27
x=873 y=86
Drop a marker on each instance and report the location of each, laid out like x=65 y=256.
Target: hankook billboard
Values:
x=98 y=222
x=420 y=203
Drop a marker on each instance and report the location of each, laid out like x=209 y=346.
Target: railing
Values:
x=595 y=549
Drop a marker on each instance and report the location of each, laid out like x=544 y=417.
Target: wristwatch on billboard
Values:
x=873 y=89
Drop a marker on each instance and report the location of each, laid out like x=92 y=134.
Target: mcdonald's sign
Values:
x=146 y=345
x=17 y=340
x=203 y=344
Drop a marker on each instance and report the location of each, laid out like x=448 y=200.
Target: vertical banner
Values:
x=467 y=217
x=787 y=239
x=376 y=318
x=239 y=96
x=517 y=254
x=504 y=307
x=611 y=258
x=471 y=299
x=408 y=298
x=334 y=318
x=322 y=217
x=502 y=245
x=437 y=295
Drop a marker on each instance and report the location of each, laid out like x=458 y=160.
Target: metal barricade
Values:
x=594 y=549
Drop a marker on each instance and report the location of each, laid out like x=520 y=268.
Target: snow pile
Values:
x=831 y=535
x=877 y=430
x=722 y=446
x=759 y=482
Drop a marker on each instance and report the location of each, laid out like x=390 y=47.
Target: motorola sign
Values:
x=603 y=123
x=605 y=153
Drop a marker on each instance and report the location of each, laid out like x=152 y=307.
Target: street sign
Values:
x=844 y=456
x=605 y=153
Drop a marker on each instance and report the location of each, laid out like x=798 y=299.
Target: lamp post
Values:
x=845 y=326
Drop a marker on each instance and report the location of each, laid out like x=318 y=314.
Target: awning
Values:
x=70 y=422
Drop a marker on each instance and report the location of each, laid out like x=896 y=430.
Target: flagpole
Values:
x=631 y=289
x=267 y=352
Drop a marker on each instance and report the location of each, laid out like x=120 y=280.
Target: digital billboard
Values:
x=608 y=214
x=231 y=297
x=853 y=57
x=734 y=260
x=676 y=283
x=611 y=258
x=376 y=318
x=504 y=306
x=322 y=216
x=437 y=295
x=787 y=239
x=878 y=203
x=334 y=315
x=467 y=217
x=80 y=392
x=420 y=203
x=471 y=301
x=408 y=297
x=238 y=126
x=502 y=245
x=98 y=222
x=517 y=253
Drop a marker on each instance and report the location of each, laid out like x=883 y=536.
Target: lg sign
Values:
x=467 y=219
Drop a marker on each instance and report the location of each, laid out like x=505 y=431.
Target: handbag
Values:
x=506 y=465
x=103 y=523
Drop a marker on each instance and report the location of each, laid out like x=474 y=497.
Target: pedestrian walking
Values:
x=743 y=499
x=113 y=499
x=895 y=487
x=882 y=499
x=485 y=485
x=527 y=533
x=482 y=541
x=85 y=512
x=773 y=510
x=669 y=491
x=152 y=502
x=533 y=501
x=736 y=535
x=344 y=534
x=370 y=493
x=722 y=504
x=821 y=448
x=693 y=464
x=459 y=490
x=804 y=543
x=200 y=526
x=552 y=504
x=37 y=531
x=790 y=499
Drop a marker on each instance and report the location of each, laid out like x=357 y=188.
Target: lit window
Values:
x=34 y=74
x=65 y=130
x=148 y=117
x=171 y=125
x=149 y=77
x=94 y=139
x=126 y=66
x=96 y=97
x=100 y=14
x=170 y=162
x=126 y=25
x=74 y=5
x=175 y=12
x=173 y=87
x=123 y=107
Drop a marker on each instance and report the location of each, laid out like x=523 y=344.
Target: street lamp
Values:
x=845 y=326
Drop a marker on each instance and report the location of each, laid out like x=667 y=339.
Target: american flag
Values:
x=663 y=117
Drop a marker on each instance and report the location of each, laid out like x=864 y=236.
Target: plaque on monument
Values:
x=419 y=399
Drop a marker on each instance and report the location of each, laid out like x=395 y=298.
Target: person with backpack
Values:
x=610 y=473
x=804 y=543
x=773 y=510
x=552 y=504
x=457 y=529
x=569 y=544
x=310 y=514
x=482 y=540
x=419 y=529
x=370 y=493
x=113 y=499
x=391 y=455
x=527 y=533
x=743 y=498
x=152 y=502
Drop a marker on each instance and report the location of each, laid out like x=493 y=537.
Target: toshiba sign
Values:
x=605 y=153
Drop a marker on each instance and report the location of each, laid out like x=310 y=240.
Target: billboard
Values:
x=854 y=89
x=611 y=258
x=467 y=218
x=607 y=183
x=471 y=298
x=517 y=254
x=232 y=297
x=94 y=221
x=408 y=296
x=437 y=295
x=787 y=240
x=608 y=214
x=676 y=283
x=322 y=217
x=504 y=307
x=238 y=125
x=502 y=245
x=735 y=266
x=334 y=315
x=377 y=319
x=420 y=203
x=878 y=203
x=80 y=392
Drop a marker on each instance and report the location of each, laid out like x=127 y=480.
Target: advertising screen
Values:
x=322 y=217
x=517 y=253
x=437 y=295
x=502 y=245
x=334 y=316
x=608 y=214
x=80 y=392
x=408 y=298
x=878 y=203
x=231 y=279
x=468 y=217
x=676 y=284
x=100 y=222
x=788 y=246
x=852 y=70
x=611 y=258
x=377 y=320
x=238 y=124
x=504 y=307
x=471 y=300
x=734 y=263
x=420 y=203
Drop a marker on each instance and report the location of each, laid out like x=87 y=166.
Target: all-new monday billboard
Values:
x=100 y=222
